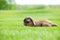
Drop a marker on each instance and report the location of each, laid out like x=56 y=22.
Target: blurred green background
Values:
x=11 y=21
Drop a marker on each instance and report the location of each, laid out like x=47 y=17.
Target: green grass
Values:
x=12 y=28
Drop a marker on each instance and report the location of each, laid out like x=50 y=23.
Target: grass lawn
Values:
x=12 y=28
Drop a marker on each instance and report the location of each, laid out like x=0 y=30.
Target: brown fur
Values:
x=29 y=22
x=43 y=23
